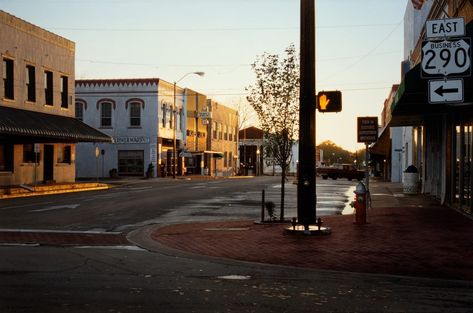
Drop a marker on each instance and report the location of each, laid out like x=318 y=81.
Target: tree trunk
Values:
x=283 y=181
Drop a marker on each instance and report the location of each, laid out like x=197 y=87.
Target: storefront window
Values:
x=463 y=162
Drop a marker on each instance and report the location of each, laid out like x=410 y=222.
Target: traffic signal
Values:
x=329 y=101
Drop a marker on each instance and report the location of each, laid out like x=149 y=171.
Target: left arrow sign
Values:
x=446 y=90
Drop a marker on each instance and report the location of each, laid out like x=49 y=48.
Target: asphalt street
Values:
x=142 y=202
x=124 y=278
x=56 y=280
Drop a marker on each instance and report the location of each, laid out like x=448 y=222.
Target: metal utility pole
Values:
x=306 y=196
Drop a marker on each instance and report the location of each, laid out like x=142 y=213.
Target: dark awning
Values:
x=28 y=126
x=411 y=104
x=383 y=145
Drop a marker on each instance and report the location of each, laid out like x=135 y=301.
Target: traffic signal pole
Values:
x=306 y=189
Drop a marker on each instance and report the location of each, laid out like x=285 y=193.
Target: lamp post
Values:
x=174 y=152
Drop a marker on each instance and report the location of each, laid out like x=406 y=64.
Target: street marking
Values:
x=57 y=207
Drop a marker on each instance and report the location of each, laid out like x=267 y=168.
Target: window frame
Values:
x=30 y=83
x=64 y=92
x=132 y=107
x=106 y=118
x=48 y=88
x=8 y=78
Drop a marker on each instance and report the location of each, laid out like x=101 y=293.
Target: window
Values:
x=64 y=92
x=48 y=87
x=214 y=130
x=180 y=119
x=6 y=158
x=8 y=86
x=135 y=114
x=164 y=114
x=225 y=134
x=64 y=154
x=225 y=159
x=31 y=83
x=106 y=114
x=28 y=153
x=80 y=111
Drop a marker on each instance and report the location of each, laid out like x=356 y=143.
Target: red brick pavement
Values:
x=62 y=239
x=412 y=241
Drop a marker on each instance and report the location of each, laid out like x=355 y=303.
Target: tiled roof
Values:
x=44 y=127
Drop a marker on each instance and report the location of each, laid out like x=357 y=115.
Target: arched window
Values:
x=106 y=106
x=81 y=105
x=134 y=106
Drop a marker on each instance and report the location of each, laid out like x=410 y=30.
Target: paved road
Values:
x=57 y=280
x=144 y=202
x=127 y=279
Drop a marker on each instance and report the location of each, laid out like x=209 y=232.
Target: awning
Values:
x=383 y=145
x=411 y=104
x=18 y=126
x=213 y=154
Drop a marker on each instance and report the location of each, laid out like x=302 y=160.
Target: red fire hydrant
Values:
x=361 y=200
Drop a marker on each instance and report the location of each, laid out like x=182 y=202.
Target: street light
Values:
x=174 y=152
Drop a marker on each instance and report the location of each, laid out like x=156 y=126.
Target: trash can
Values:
x=410 y=180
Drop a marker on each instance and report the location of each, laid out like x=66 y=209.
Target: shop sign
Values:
x=131 y=140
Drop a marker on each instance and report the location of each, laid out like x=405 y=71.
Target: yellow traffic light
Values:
x=329 y=101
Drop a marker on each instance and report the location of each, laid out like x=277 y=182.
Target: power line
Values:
x=222 y=29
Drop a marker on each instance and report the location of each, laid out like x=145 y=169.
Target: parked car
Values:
x=336 y=171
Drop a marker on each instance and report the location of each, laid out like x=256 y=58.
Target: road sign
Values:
x=446 y=57
x=204 y=114
x=446 y=90
x=450 y=27
x=368 y=129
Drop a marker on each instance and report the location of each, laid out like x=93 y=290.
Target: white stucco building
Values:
x=138 y=115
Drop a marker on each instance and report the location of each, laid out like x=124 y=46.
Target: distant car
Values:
x=347 y=171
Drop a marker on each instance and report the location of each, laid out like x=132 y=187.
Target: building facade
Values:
x=438 y=137
x=222 y=140
x=197 y=124
x=143 y=116
x=38 y=133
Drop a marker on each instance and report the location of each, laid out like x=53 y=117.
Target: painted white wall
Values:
x=142 y=138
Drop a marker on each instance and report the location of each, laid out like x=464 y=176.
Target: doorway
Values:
x=48 y=166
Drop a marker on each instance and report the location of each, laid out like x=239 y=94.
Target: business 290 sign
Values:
x=446 y=57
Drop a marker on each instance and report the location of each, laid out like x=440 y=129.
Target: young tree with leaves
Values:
x=275 y=99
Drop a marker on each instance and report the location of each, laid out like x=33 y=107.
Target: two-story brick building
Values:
x=38 y=131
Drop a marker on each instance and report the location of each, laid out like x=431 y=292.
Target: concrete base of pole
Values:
x=313 y=230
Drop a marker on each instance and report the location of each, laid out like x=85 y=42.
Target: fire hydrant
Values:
x=361 y=197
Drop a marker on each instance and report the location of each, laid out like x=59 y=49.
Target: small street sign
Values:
x=446 y=90
x=446 y=57
x=450 y=27
x=204 y=114
x=368 y=129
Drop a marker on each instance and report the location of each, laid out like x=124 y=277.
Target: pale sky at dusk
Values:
x=359 y=45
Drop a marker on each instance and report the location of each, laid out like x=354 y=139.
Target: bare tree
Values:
x=274 y=97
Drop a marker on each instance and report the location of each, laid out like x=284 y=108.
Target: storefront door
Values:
x=463 y=181
x=131 y=162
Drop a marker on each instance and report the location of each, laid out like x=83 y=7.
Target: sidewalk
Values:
x=406 y=235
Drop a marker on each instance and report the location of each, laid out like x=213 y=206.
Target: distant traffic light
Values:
x=329 y=101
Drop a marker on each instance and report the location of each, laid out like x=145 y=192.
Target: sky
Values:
x=359 y=46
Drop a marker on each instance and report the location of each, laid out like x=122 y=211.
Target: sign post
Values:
x=367 y=134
